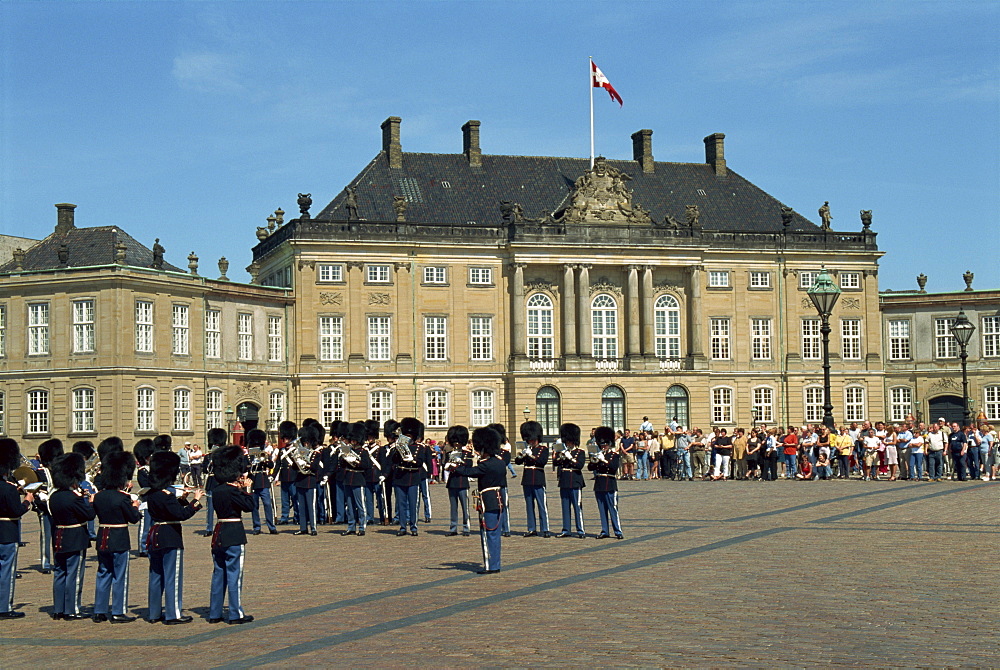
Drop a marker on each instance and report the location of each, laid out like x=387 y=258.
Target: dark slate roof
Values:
x=444 y=188
x=86 y=247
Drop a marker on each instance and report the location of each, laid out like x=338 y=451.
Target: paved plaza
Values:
x=709 y=574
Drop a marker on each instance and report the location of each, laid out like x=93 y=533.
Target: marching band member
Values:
x=71 y=510
x=165 y=544
x=505 y=454
x=340 y=433
x=533 y=459
x=458 y=485
x=217 y=437
x=229 y=538
x=492 y=475
x=390 y=430
x=12 y=508
x=307 y=480
x=48 y=451
x=354 y=465
x=373 y=498
x=143 y=451
x=570 y=462
x=86 y=449
x=260 y=478
x=115 y=511
x=425 y=456
x=605 y=467
x=406 y=473
x=287 y=434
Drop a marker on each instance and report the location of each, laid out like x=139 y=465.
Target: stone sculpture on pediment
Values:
x=601 y=194
x=247 y=390
x=539 y=284
x=604 y=285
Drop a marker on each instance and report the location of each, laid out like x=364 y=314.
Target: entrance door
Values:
x=247 y=415
x=947 y=406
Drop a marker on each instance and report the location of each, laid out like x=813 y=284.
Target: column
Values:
x=583 y=321
x=355 y=320
x=696 y=350
x=568 y=311
x=646 y=296
x=405 y=323
x=632 y=312
x=517 y=310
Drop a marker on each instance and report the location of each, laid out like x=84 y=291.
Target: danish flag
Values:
x=600 y=81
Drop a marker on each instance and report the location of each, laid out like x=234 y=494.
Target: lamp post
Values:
x=962 y=330
x=229 y=419
x=824 y=293
x=755 y=416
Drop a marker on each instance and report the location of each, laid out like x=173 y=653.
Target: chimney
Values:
x=642 y=149
x=470 y=143
x=715 y=153
x=390 y=141
x=64 y=219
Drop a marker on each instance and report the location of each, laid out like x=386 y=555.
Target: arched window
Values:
x=436 y=408
x=677 y=405
x=331 y=406
x=38 y=411
x=145 y=408
x=540 y=326
x=182 y=409
x=83 y=410
x=380 y=405
x=613 y=408
x=604 y=326
x=722 y=405
x=275 y=409
x=667 y=323
x=213 y=409
x=854 y=403
x=763 y=405
x=813 y=396
x=547 y=411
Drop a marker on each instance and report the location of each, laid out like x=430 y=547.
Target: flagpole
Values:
x=590 y=84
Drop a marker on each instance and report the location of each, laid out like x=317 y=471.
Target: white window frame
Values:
x=38 y=329
x=275 y=339
x=722 y=405
x=144 y=326
x=900 y=403
x=378 y=274
x=812 y=403
x=807 y=278
x=145 y=409
x=481 y=276
x=83 y=407
x=990 y=329
x=213 y=409
x=331 y=338
x=244 y=336
x=850 y=339
x=604 y=327
x=763 y=400
x=899 y=339
x=435 y=338
x=276 y=408
x=991 y=402
x=481 y=334
x=379 y=338
x=482 y=407
x=945 y=344
x=181 y=323
x=182 y=410
x=436 y=408
x=332 y=406
x=718 y=278
x=850 y=280
x=329 y=273
x=38 y=412
x=380 y=404
x=667 y=327
x=435 y=274
x=721 y=332
x=3 y=413
x=3 y=333
x=854 y=403
x=540 y=333
x=84 y=337
x=760 y=279
x=760 y=339
x=812 y=341
x=213 y=333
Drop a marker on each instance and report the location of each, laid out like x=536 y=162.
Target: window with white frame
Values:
x=181 y=330
x=945 y=345
x=182 y=409
x=481 y=331
x=434 y=275
x=482 y=408
x=722 y=405
x=331 y=407
x=83 y=410
x=331 y=338
x=244 y=336
x=3 y=330
x=436 y=408
x=718 y=279
x=763 y=401
x=850 y=280
x=213 y=409
x=145 y=407
x=480 y=275
x=850 y=339
x=811 y=339
x=83 y=326
x=377 y=274
x=667 y=326
x=330 y=273
x=144 y=326
x=275 y=340
x=813 y=404
x=899 y=340
x=3 y=413
x=213 y=333
x=380 y=406
x=991 y=406
x=760 y=279
x=900 y=403
x=604 y=326
x=435 y=339
x=760 y=339
x=378 y=338
x=38 y=329
x=540 y=338
x=854 y=403
x=991 y=336
x=807 y=279
x=276 y=408
x=38 y=411
x=720 y=339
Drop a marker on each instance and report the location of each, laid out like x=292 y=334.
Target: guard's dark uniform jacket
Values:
x=570 y=474
x=605 y=479
x=230 y=502
x=70 y=514
x=12 y=508
x=260 y=479
x=406 y=473
x=492 y=476
x=317 y=471
x=375 y=471
x=115 y=512
x=167 y=512
x=142 y=477
x=286 y=473
x=457 y=481
x=356 y=475
x=533 y=473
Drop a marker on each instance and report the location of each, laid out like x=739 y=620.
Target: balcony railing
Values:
x=607 y=364
x=542 y=364
x=670 y=364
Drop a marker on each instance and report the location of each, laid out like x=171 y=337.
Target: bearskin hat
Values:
x=320 y=431
x=109 y=444
x=486 y=441
x=569 y=433
x=68 y=471
x=604 y=436
x=84 y=447
x=117 y=469
x=359 y=433
x=288 y=431
x=500 y=429
x=227 y=463
x=164 y=467
x=49 y=449
x=309 y=436
x=217 y=437
x=391 y=429
x=256 y=438
x=457 y=435
x=142 y=451
x=531 y=431
x=412 y=427
x=10 y=456
x=335 y=427
x=163 y=443
x=345 y=431
x=371 y=429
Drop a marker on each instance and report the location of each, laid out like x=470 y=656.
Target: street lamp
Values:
x=962 y=330
x=229 y=418
x=755 y=415
x=824 y=293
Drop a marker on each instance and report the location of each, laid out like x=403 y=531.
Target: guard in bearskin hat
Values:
x=116 y=509
x=605 y=468
x=406 y=473
x=47 y=452
x=533 y=459
x=12 y=508
x=288 y=433
x=165 y=545
x=492 y=475
x=459 y=453
x=143 y=451
x=354 y=464
x=71 y=510
x=569 y=464
x=231 y=498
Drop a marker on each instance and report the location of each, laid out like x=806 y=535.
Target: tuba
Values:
x=349 y=456
x=302 y=457
x=402 y=447
x=92 y=466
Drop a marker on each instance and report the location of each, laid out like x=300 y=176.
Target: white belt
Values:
x=74 y=525
x=113 y=525
x=228 y=520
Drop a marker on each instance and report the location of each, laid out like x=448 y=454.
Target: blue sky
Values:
x=193 y=121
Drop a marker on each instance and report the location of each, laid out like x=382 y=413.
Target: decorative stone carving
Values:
x=922 y=282
x=331 y=298
x=399 y=204
x=355 y=264
x=304 y=263
x=602 y=194
x=807 y=304
x=851 y=303
x=351 y=204
x=511 y=212
x=693 y=216
x=670 y=222
x=824 y=215
x=193 y=263
x=539 y=284
x=279 y=217
x=946 y=384
x=223 y=269
x=378 y=299
x=866 y=220
x=786 y=216
x=254 y=270
x=968 y=277
x=401 y=266
x=603 y=285
x=247 y=390
x=305 y=201
x=272 y=222
x=120 y=251
x=18 y=258
x=667 y=287
x=158 y=252
x=262 y=233
x=64 y=254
